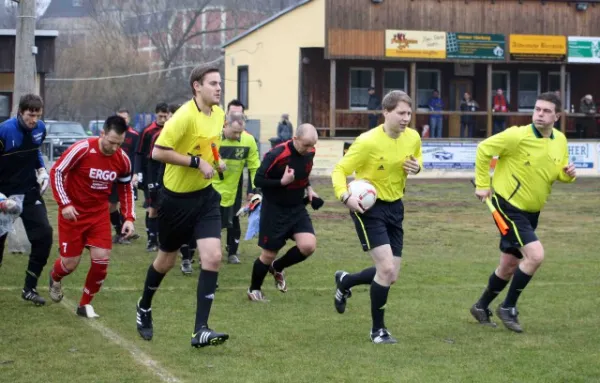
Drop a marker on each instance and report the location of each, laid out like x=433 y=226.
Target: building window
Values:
x=554 y=85
x=360 y=81
x=428 y=80
x=529 y=89
x=5 y=105
x=242 y=88
x=393 y=79
x=501 y=80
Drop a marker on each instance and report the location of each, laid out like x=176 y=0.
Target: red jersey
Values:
x=83 y=177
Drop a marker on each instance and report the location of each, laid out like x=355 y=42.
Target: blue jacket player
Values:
x=22 y=171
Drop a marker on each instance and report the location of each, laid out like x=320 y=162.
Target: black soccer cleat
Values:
x=144 y=322
x=483 y=316
x=509 y=316
x=341 y=294
x=382 y=336
x=33 y=296
x=207 y=337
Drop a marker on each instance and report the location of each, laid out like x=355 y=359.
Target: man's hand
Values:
x=43 y=180
x=140 y=178
x=222 y=166
x=69 y=213
x=411 y=165
x=483 y=194
x=207 y=170
x=311 y=193
x=128 y=229
x=570 y=170
x=249 y=197
x=288 y=176
x=354 y=205
x=134 y=180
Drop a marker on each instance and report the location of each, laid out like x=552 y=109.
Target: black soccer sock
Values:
x=152 y=230
x=153 y=280
x=186 y=253
x=259 y=272
x=379 y=296
x=364 y=277
x=519 y=282
x=494 y=287
x=292 y=257
x=233 y=237
x=33 y=272
x=207 y=284
x=147 y=225
x=115 y=220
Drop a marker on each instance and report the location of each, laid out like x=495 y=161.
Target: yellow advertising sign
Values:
x=538 y=47
x=415 y=44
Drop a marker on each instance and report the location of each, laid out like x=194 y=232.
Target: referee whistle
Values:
x=217 y=158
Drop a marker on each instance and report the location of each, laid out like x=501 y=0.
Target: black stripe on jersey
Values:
x=234 y=152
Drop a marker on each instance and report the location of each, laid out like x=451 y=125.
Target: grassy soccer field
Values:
x=450 y=250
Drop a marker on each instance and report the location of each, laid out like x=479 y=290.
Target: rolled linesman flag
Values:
x=502 y=226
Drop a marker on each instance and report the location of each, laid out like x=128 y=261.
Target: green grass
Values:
x=450 y=250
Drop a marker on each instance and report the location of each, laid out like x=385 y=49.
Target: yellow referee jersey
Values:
x=527 y=165
x=190 y=132
x=378 y=158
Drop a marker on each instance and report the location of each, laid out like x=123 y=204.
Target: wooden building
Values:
x=45 y=59
x=523 y=47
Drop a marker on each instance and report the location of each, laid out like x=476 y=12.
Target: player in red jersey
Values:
x=82 y=180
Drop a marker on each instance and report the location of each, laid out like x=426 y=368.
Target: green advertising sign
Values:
x=584 y=49
x=474 y=46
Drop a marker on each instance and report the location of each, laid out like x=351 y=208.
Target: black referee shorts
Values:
x=182 y=216
x=280 y=223
x=521 y=226
x=381 y=225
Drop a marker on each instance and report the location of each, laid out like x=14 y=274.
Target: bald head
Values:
x=305 y=139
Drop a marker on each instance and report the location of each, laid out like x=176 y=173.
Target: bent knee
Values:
x=388 y=273
x=307 y=248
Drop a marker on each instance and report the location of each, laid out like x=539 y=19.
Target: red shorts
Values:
x=90 y=230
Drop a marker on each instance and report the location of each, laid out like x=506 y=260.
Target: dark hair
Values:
x=553 y=98
x=161 y=107
x=31 y=102
x=123 y=110
x=393 y=98
x=235 y=102
x=198 y=74
x=115 y=123
x=173 y=107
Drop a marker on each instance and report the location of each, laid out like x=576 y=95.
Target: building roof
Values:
x=69 y=8
x=267 y=21
x=38 y=32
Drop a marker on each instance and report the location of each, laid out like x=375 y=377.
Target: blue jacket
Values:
x=20 y=156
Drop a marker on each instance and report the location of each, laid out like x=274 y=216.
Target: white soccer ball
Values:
x=364 y=191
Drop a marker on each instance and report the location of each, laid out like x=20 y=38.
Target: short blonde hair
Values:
x=393 y=98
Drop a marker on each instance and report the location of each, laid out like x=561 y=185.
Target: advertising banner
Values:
x=415 y=44
x=538 y=48
x=471 y=46
x=584 y=49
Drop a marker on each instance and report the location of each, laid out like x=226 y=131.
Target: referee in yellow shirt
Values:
x=384 y=156
x=188 y=205
x=531 y=158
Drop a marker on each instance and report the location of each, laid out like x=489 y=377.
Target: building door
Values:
x=458 y=88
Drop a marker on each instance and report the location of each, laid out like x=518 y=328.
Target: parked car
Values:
x=63 y=134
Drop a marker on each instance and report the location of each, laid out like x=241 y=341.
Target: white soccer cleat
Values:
x=87 y=311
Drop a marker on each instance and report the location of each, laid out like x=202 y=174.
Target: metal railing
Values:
x=54 y=146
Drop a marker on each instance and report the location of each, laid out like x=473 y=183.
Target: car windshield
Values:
x=66 y=129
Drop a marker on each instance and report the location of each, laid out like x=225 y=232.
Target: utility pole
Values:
x=25 y=51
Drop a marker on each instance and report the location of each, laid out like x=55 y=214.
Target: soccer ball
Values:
x=365 y=192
